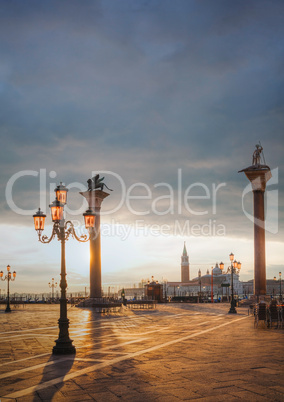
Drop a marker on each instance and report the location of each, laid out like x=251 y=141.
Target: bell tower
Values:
x=184 y=265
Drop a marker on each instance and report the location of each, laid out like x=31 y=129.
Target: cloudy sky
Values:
x=171 y=94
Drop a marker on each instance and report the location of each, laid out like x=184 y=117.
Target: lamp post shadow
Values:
x=56 y=368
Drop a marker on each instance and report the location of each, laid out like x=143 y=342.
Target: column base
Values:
x=232 y=310
x=63 y=348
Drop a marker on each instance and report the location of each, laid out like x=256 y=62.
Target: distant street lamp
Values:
x=280 y=293
x=212 y=294
x=62 y=230
x=123 y=297
x=8 y=278
x=234 y=268
x=52 y=285
x=165 y=283
x=199 y=280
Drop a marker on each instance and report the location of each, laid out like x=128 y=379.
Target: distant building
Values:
x=248 y=287
x=154 y=290
x=184 y=265
x=221 y=283
x=133 y=293
x=272 y=288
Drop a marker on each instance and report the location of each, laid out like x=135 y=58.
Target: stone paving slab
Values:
x=174 y=353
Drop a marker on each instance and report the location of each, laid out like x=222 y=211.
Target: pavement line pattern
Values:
x=28 y=330
x=23 y=336
x=98 y=366
x=16 y=372
x=99 y=339
x=48 y=354
x=103 y=350
x=72 y=333
x=26 y=358
x=118 y=345
x=55 y=326
x=144 y=333
x=83 y=359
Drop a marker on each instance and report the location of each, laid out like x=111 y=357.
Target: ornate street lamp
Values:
x=61 y=193
x=234 y=268
x=52 y=285
x=89 y=217
x=8 y=278
x=39 y=219
x=62 y=230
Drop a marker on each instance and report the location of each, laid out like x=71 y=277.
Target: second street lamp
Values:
x=62 y=230
x=52 y=285
x=8 y=278
x=234 y=268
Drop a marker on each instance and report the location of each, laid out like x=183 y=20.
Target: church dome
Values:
x=217 y=270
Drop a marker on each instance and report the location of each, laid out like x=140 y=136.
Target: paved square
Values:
x=176 y=352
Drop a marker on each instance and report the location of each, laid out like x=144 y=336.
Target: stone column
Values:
x=258 y=176
x=95 y=199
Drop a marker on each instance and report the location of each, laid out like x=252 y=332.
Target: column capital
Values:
x=95 y=197
x=258 y=176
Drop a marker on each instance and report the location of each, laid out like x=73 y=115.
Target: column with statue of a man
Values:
x=95 y=196
x=258 y=174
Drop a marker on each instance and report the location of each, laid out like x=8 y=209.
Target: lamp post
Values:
x=221 y=266
x=8 y=278
x=123 y=297
x=212 y=294
x=62 y=230
x=280 y=293
x=165 y=283
x=199 y=281
x=52 y=285
x=235 y=267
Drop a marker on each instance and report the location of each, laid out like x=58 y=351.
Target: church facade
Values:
x=202 y=283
